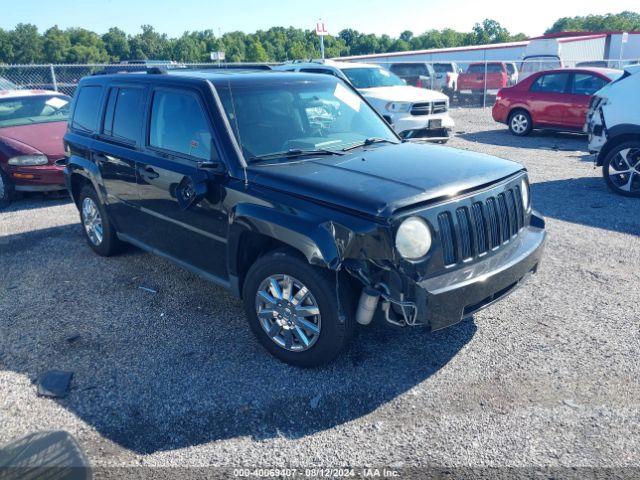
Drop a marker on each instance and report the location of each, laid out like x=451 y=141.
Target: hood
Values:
x=383 y=178
x=45 y=138
x=402 y=94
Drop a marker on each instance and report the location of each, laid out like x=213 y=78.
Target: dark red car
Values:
x=552 y=99
x=32 y=124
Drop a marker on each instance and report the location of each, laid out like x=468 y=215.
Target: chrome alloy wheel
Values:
x=288 y=312
x=519 y=123
x=624 y=170
x=92 y=221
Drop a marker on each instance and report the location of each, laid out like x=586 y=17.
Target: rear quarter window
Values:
x=124 y=114
x=87 y=107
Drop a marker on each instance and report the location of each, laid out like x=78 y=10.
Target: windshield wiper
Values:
x=295 y=153
x=367 y=142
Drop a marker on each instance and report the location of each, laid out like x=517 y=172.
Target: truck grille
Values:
x=439 y=106
x=471 y=231
x=421 y=109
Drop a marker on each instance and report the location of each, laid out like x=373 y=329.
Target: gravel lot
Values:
x=548 y=377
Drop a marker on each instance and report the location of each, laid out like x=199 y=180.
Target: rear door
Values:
x=583 y=86
x=178 y=139
x=549 y=99
x=115 y=153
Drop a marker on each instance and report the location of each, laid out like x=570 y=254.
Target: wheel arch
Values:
x=80 y=172
x=616 y=136
x=517 y=108
x=257 y=230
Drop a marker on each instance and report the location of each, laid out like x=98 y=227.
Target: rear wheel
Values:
x=520 y=123
x=621 y=169
x=296 y=311
x=6 y=190
x=98 y=229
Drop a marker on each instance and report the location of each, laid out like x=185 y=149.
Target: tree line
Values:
x=25 y=44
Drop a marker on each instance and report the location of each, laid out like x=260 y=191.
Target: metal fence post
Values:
x=484 y=90
x=53 y=78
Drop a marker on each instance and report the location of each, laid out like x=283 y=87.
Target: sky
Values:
x=373 y=16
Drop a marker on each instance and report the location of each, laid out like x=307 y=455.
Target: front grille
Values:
x=482 y=226
x=421 y=109
x=439 y=107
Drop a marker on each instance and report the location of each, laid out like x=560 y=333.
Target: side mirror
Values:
x=190 y=192
x=215 y=167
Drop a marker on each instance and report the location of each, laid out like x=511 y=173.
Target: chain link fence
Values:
x=467 y=83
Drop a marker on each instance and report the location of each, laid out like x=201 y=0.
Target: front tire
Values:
x=96 y=226
x=6 y=190
x=621 y=169
x=296 y=311
x=520 y=123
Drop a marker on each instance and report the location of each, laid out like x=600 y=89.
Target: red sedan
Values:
x=553 y=99
x=32 y=124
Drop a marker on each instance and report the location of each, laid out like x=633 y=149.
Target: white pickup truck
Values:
x=413 y=112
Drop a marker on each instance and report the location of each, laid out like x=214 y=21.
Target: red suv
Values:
x=32 y=124
x=553 y=99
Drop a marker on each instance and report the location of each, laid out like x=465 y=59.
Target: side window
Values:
x=124 y=115
x=85 y=113
x=551 y=83
x=586 y=84
x=178 y=124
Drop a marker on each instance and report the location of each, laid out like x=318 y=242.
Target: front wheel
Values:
x=6 y=190
x=520 y=123
x=621 y=169
x=296 y=310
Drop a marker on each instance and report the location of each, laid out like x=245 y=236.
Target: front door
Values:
x=583 y=86
x=179 y=138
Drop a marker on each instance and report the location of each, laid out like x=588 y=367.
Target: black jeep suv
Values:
x=289 y=190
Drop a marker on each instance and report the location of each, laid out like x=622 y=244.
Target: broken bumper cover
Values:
x=448 y=298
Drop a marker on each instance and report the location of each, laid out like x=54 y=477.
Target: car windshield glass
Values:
x=7 y=84
x=614 y=74
x=532 y=65
x=324 y=114
x=372 y=77
x=442 y=67
x=33 y=109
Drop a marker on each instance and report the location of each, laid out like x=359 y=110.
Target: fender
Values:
x=307 y=234
x=89 y=170
x=615 y=135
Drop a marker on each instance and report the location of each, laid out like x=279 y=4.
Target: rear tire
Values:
x=520 y=123
x=96 y=226
x=621 y=169
x=6 y=190
x=276 y=321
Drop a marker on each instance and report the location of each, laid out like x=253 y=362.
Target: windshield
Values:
x=324 y=114
x=371 y=77
x=532 y=65
x=614 y=74
x=33 y=109
x=443 y=67
x=7 y=84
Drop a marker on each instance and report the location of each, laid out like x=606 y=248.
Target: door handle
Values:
x=149 y=173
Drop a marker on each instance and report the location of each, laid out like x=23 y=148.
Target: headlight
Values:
x=397 y=107
x=28 y=160
x=524 y=190
x=413 y=239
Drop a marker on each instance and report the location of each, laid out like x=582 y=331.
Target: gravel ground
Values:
x=546 y=378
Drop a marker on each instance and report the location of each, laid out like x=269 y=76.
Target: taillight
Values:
x=499 y=96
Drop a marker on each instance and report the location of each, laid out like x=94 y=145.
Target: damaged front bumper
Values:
x=447 y=298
